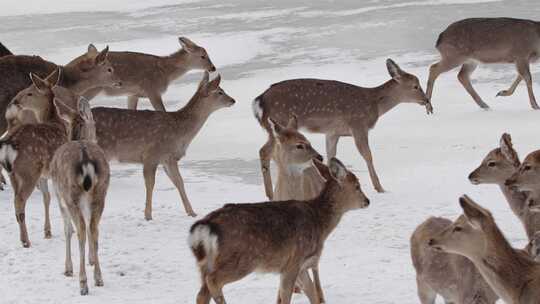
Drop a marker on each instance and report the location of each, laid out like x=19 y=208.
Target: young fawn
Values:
x=511 y=273
x=335 y=109
x=27 y=152
x=124 y=135
x=487 y=40
x=80 y=175
x=496 y=168
x=449 y=275
x=149 y=76
x=286 y=237
x=87 y=71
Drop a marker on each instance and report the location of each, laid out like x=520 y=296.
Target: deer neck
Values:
x=516 y=199
x=290 y=181
x=386 y=96
x=504 y=268
x=71 y=79
x=175 y=65
x=326 y=206
x=193 y=115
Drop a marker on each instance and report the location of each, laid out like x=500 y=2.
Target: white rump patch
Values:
x=257 y=109
x=89 y=170
x=201 y=235
x=8 y=154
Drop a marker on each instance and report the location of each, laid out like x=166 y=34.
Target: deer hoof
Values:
x=26 y=244
x=99 y=283
x=68 y=273
x=48 y=234
x=84 y=291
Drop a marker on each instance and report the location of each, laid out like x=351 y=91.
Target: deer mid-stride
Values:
x=468 y=42
x=335 y=109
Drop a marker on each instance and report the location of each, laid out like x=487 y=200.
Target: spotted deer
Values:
x=123 y=134
x=527 y=178
x=149 y=76
x=335 y=109
x=496 y=168
x=80 y=174
x=286 y=237
x=451 y=276
x=87 y=71
x=27 y=152
x=468 y=42
x=511 y=273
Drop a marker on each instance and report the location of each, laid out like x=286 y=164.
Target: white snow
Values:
x=423 y=161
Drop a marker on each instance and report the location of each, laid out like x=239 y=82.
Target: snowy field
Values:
x=423 y=161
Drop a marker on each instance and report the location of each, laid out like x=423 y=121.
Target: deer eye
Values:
x=300 y=146
x=358 y=188
x=457 y=229
x=491 y=164
x=29 y=94
x=203 y=57
x=526 y=168
x=416 y=87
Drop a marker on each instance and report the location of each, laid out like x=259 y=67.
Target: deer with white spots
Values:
x=80 y=174
x=335 y=109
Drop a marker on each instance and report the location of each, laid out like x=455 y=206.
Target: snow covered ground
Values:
x=423 y=161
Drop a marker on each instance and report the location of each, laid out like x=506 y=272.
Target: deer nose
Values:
x=319 y=158
x=367 y=202
x=118 y=84
x=212 y=69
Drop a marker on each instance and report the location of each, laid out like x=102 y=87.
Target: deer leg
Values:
x=437 y=69
x=265 y=155
x=94 y=240
x=215 y=288
x=203 y=297
x=317 y=281
x=44 y=188
x=308 y=287
x=425 y=293
x=22 y=192
x=464 y=76
x=80 y=224
x=132 y=102
x=287 y=280
x=157 y=102
x=149 y=172
x=362 y=144
x=91 y=93
x=512 y=88
x=2 y=180
x=68 y=232
x=171 y=168
x=331 y=146
x=523 y=70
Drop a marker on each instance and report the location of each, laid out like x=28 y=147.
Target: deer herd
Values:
x=51 y=132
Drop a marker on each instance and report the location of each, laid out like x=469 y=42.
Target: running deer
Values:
x=80 y=175
x=335 y=109
x=297 y=177
x=511 y=273
x=149 y=76
x=87 y=71
x=496 y=168
x=451 y=276
x=285 y=237
x=468 y=42
x=124 y=135
x=26 y=153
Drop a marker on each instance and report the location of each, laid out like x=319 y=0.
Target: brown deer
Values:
x=335 y=109
x=87 y=71
x=149 y=76
x=124 y=135
x=80 y=175
x=511 y=273
x=449 y=275
x=496 y=168
x=468 y=42
x=27 y=152
x=286 y=237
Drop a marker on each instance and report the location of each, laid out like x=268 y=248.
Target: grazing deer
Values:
x=468 y=42
x=80 y=174
x=449 y=275
x=511 y=273
x=286 y=237
x=4 y=51
x=149 y=76
x=27 y=152
x=496 y=168
x=124 y=135
x=335 y=109
x=84 y=72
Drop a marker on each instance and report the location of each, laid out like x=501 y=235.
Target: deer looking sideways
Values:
x=27 y=152
x=527 y=179
x=148 y=76
x=488 y=40
x=80 y=175
x=286 y=237
x=335 y=109
x=511 y=273
x=87 y=71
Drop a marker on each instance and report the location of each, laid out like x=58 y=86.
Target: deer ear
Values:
x=275 y=127
x=204 y=81
x=85 y=111
x=337 y=169
x=42 y=85
x=394 y=70
x=187 y=44
x=475 y=214
x=293 y=122
x=322 y=169
x=214 y=84
x=54 y=78
x=508 y=150
x=92 y=50
x=102 y=56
